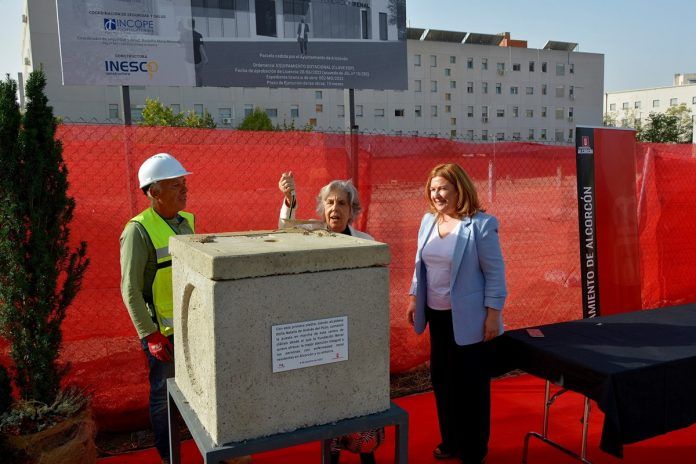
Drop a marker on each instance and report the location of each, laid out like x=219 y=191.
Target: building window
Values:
x=312 y=122
x=453 y=133
x=469 y=111
x=198 y=109
x=543 y=89
x=656 y=104
x=225 y=115
x=176 y=108
x=418 y=111
x=531 y=66
x=612 y=106
x=295 y=111
x=469 y=87
x=500 y=136
x=318 y=94
x=469 y=63
x=484 y=112
x=498 y=88
x=470 y=134
x=453 y=59
x=484 y=63
x=500 y=67
x=319 y=108
x=383 y=28
x=113 y=111
x=448 y=108
x=399 y=113
x=571 y=92
x=544 y=66
x=560 y=69
x=453 y=84
x=529 y=90
x=417 y=86
x=433 y=61
x=570 y=113
x=514 y=90
x=636 y=105
x=693 y=100
x=484 y=87
x=559 y=113
x=433 y=86
x=559 y=135
x=340 y=111
x=416 y=60
x=571 y=70
x=544 y=111
x=379 y=112
x=570 y=135
x=530 y=134
x=672 y=102
x=500 y=113
x=448 y=72
x=248 y=109
x=484 y=135
x=453 y=121
x=515 y=111
x=529 y=113
x=542 y=134
x=433 y=110
x=272 y=112
x=516 y=136
x=358 y=111
x=624 y=105
x=560 y=91
x=516 y=67
x=448 y=97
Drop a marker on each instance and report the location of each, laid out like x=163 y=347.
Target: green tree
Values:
x=672 y=126
x=156 y=114
x=257 y=120
x=610 y=119
x=40 y=274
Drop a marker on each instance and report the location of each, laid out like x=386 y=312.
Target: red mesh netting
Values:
x=234 y=187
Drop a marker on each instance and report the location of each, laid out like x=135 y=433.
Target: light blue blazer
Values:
x=477 y=281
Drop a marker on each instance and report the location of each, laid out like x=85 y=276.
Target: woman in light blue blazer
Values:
x=458 y=289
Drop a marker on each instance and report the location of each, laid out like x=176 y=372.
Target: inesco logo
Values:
x=129 y=25
x=121 y=68
x=109 y=24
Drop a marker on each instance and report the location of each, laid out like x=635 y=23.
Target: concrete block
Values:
x=229 y=293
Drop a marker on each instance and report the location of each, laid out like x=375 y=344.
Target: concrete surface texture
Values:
x=223 y=329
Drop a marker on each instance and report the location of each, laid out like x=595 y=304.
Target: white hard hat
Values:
x=160 y=167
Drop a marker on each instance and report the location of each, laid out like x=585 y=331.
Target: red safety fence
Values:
x=530 y=187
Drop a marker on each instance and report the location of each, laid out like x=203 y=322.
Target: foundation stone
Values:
x=276 y=331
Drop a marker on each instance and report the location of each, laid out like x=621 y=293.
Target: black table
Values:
x=639 y=367
x=213 y=454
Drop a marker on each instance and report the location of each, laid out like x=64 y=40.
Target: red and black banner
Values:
x=587 y=219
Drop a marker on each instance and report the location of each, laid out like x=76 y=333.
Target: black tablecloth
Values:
x=639 y=367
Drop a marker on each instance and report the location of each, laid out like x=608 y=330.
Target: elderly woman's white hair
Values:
x=344 y=186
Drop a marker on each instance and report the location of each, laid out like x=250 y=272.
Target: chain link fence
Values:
x=530 y=187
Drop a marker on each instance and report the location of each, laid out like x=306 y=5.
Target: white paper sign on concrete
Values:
x=310 y=343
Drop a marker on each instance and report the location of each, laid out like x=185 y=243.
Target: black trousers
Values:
x=462 y=386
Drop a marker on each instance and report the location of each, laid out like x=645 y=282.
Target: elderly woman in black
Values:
x=337 y=204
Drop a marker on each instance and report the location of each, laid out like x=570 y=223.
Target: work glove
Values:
x=160 y=347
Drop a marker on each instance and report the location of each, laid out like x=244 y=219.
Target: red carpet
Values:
x=517 y=408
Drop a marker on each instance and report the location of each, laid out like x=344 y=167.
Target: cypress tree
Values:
x=39 y=273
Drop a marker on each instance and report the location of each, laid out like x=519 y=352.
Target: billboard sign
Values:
x=358 y=44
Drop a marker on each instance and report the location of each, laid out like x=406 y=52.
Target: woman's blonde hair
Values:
x=468 y=202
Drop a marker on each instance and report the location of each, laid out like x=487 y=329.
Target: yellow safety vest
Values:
x=162 y=294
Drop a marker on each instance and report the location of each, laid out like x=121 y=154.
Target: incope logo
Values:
x=129 y=25
x=126 y=68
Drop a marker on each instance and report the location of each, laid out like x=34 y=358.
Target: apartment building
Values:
x=460 y=84
x=631 y=108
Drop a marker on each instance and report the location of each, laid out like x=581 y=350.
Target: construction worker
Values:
x=146 y=277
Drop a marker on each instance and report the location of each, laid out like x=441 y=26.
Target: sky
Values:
x=644 y=42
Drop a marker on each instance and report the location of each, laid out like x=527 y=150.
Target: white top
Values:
x=437 y=256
